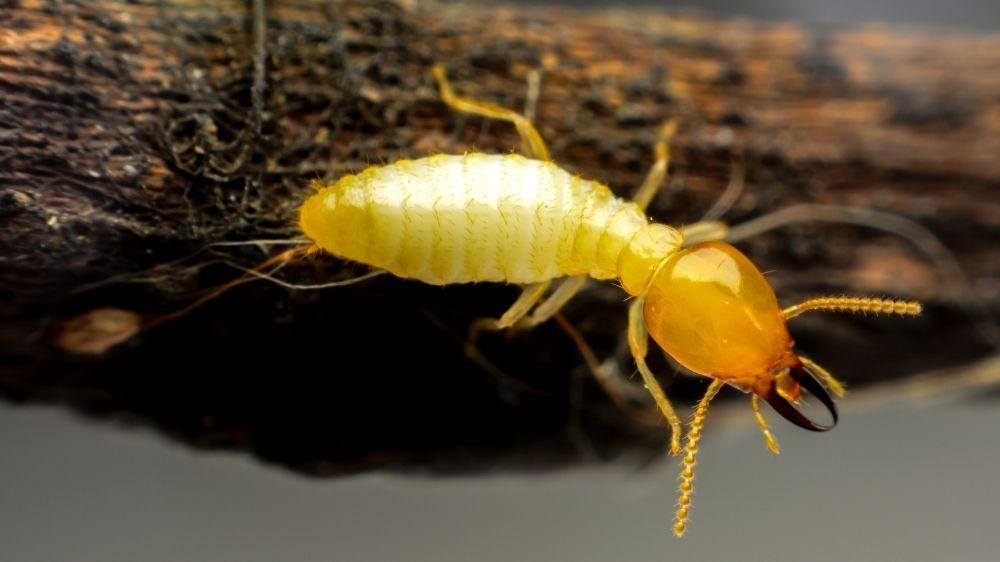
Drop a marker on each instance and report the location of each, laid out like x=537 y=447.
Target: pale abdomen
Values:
x=479 y=217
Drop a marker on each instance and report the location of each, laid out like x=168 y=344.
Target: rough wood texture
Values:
x=134 y=133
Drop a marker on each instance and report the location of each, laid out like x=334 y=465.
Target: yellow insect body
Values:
x=505 y=218
x=485 y=217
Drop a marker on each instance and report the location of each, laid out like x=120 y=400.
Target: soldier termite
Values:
x=509 y=218
x=522 y=219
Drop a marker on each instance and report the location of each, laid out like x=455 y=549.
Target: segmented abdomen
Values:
x=478 y=217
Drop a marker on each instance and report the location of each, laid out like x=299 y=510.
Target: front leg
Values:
x=637 y=342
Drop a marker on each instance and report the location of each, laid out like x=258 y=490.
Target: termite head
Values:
x=714 y=312
x=711 y=309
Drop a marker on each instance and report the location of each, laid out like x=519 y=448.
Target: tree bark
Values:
x=133 y=134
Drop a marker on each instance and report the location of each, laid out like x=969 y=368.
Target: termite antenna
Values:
x=855 y=304
x=691 y=449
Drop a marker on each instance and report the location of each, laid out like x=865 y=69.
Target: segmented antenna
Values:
x=690 y=450
x=855 y=304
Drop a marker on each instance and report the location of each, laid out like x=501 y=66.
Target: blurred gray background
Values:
x=901 y=482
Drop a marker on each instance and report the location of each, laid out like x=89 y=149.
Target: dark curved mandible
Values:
x=791 y=413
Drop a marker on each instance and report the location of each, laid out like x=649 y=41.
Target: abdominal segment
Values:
x=478 y=217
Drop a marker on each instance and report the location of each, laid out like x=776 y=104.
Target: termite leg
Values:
x=517 y=316
x=638 y=344
x=769 y=440
x=737 y=179
x=710 y=227
x=654 y=179
x=704 y=231
x=534 y=92
x=616 y=387
x=533 y=145
x=529 y=297
x=606 y=374
x=551 y=306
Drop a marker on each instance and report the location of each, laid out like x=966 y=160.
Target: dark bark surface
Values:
x=132 y=134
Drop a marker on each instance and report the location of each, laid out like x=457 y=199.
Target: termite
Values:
x=521 y=219
x=524 y=220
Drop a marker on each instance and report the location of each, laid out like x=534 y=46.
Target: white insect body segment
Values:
x=478 y=217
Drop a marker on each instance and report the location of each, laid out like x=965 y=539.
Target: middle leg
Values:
x=517 y=316
x=529 y=297
x=534 y=147
x=566 y=290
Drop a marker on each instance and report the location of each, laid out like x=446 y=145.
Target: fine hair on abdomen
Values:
x=477 y=217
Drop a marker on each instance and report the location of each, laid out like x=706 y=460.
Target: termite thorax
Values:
x=644 y=253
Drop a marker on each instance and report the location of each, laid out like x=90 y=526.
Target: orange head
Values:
x=712 y=310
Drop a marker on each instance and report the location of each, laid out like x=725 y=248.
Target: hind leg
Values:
x=533 y=145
